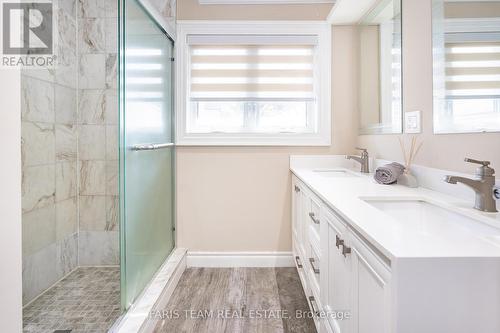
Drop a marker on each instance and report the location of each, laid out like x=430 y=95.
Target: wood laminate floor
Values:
x=237 y=300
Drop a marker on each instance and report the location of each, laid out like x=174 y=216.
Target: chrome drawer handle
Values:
x=297 y=260
x=315 y=270
x=346 y=250
x=338 y=242
x=312 y=301
x=311 y=215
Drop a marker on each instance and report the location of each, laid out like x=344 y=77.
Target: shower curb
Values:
x=139 y=318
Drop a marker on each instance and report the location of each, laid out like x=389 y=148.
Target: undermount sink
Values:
x=426 y=216
x=334 y=173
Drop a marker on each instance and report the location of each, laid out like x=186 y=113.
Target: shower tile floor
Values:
x=87 y=300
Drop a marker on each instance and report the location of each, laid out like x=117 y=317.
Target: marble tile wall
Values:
x=49 y=162
x=167 y=9
x=70 y=149
x=98 y=132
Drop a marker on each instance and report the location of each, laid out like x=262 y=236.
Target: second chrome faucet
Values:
x=483 y=185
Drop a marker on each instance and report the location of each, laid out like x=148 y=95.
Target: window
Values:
x=262 y=84
x=252 y=85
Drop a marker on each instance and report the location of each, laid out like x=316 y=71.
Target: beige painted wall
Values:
x=238 y=198
x=192 y=10
x=369 y=75
x=444 y=151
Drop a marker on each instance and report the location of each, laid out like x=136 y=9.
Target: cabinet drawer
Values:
x=315 y=308
x=313 y=268
x=314 y=240
x=298 y=256
x=314 y=216
x=298 y=259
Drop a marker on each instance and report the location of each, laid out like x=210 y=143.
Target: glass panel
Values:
x=380 y=70
x=466 y=50
x=146 y=176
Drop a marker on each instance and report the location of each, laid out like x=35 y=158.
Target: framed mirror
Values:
x=466 y=62
x=380 y=69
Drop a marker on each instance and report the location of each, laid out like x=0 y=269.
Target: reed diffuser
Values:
x=407 y=179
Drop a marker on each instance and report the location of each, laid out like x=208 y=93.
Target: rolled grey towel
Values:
x=389 y=173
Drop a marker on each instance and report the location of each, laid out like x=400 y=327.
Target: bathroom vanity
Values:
x=389 y=259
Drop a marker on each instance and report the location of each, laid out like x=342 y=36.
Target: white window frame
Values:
x=322 y=74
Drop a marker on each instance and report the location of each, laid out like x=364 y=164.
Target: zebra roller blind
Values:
x=473 y=70
x=252 y=68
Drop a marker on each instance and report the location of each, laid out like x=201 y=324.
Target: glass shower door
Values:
x=146 y=149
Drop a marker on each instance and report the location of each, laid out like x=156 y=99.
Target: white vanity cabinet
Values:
x=393 y=263
x=344 y=275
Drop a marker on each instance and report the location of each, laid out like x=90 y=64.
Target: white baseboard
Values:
x=240 y=259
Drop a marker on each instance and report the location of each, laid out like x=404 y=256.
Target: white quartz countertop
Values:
x=396 y=238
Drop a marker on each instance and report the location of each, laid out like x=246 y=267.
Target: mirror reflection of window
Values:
x=380 y=76
x=466 y=47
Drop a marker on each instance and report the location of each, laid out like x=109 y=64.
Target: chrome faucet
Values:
x=363 y=160
x=483 y=185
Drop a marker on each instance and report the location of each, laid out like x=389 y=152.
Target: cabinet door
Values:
x=298 y=212
x=336 y=283
x=371 y=290
x=304 y=221
x=299 y=219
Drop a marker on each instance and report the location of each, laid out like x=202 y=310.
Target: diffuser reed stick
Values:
x=409 y=155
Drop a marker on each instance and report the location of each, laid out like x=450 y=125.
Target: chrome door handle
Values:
x=297 y=189
x=312 y=301
x=315 y=270
x=311 y=215
x=151 y=146
x=297 y=260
